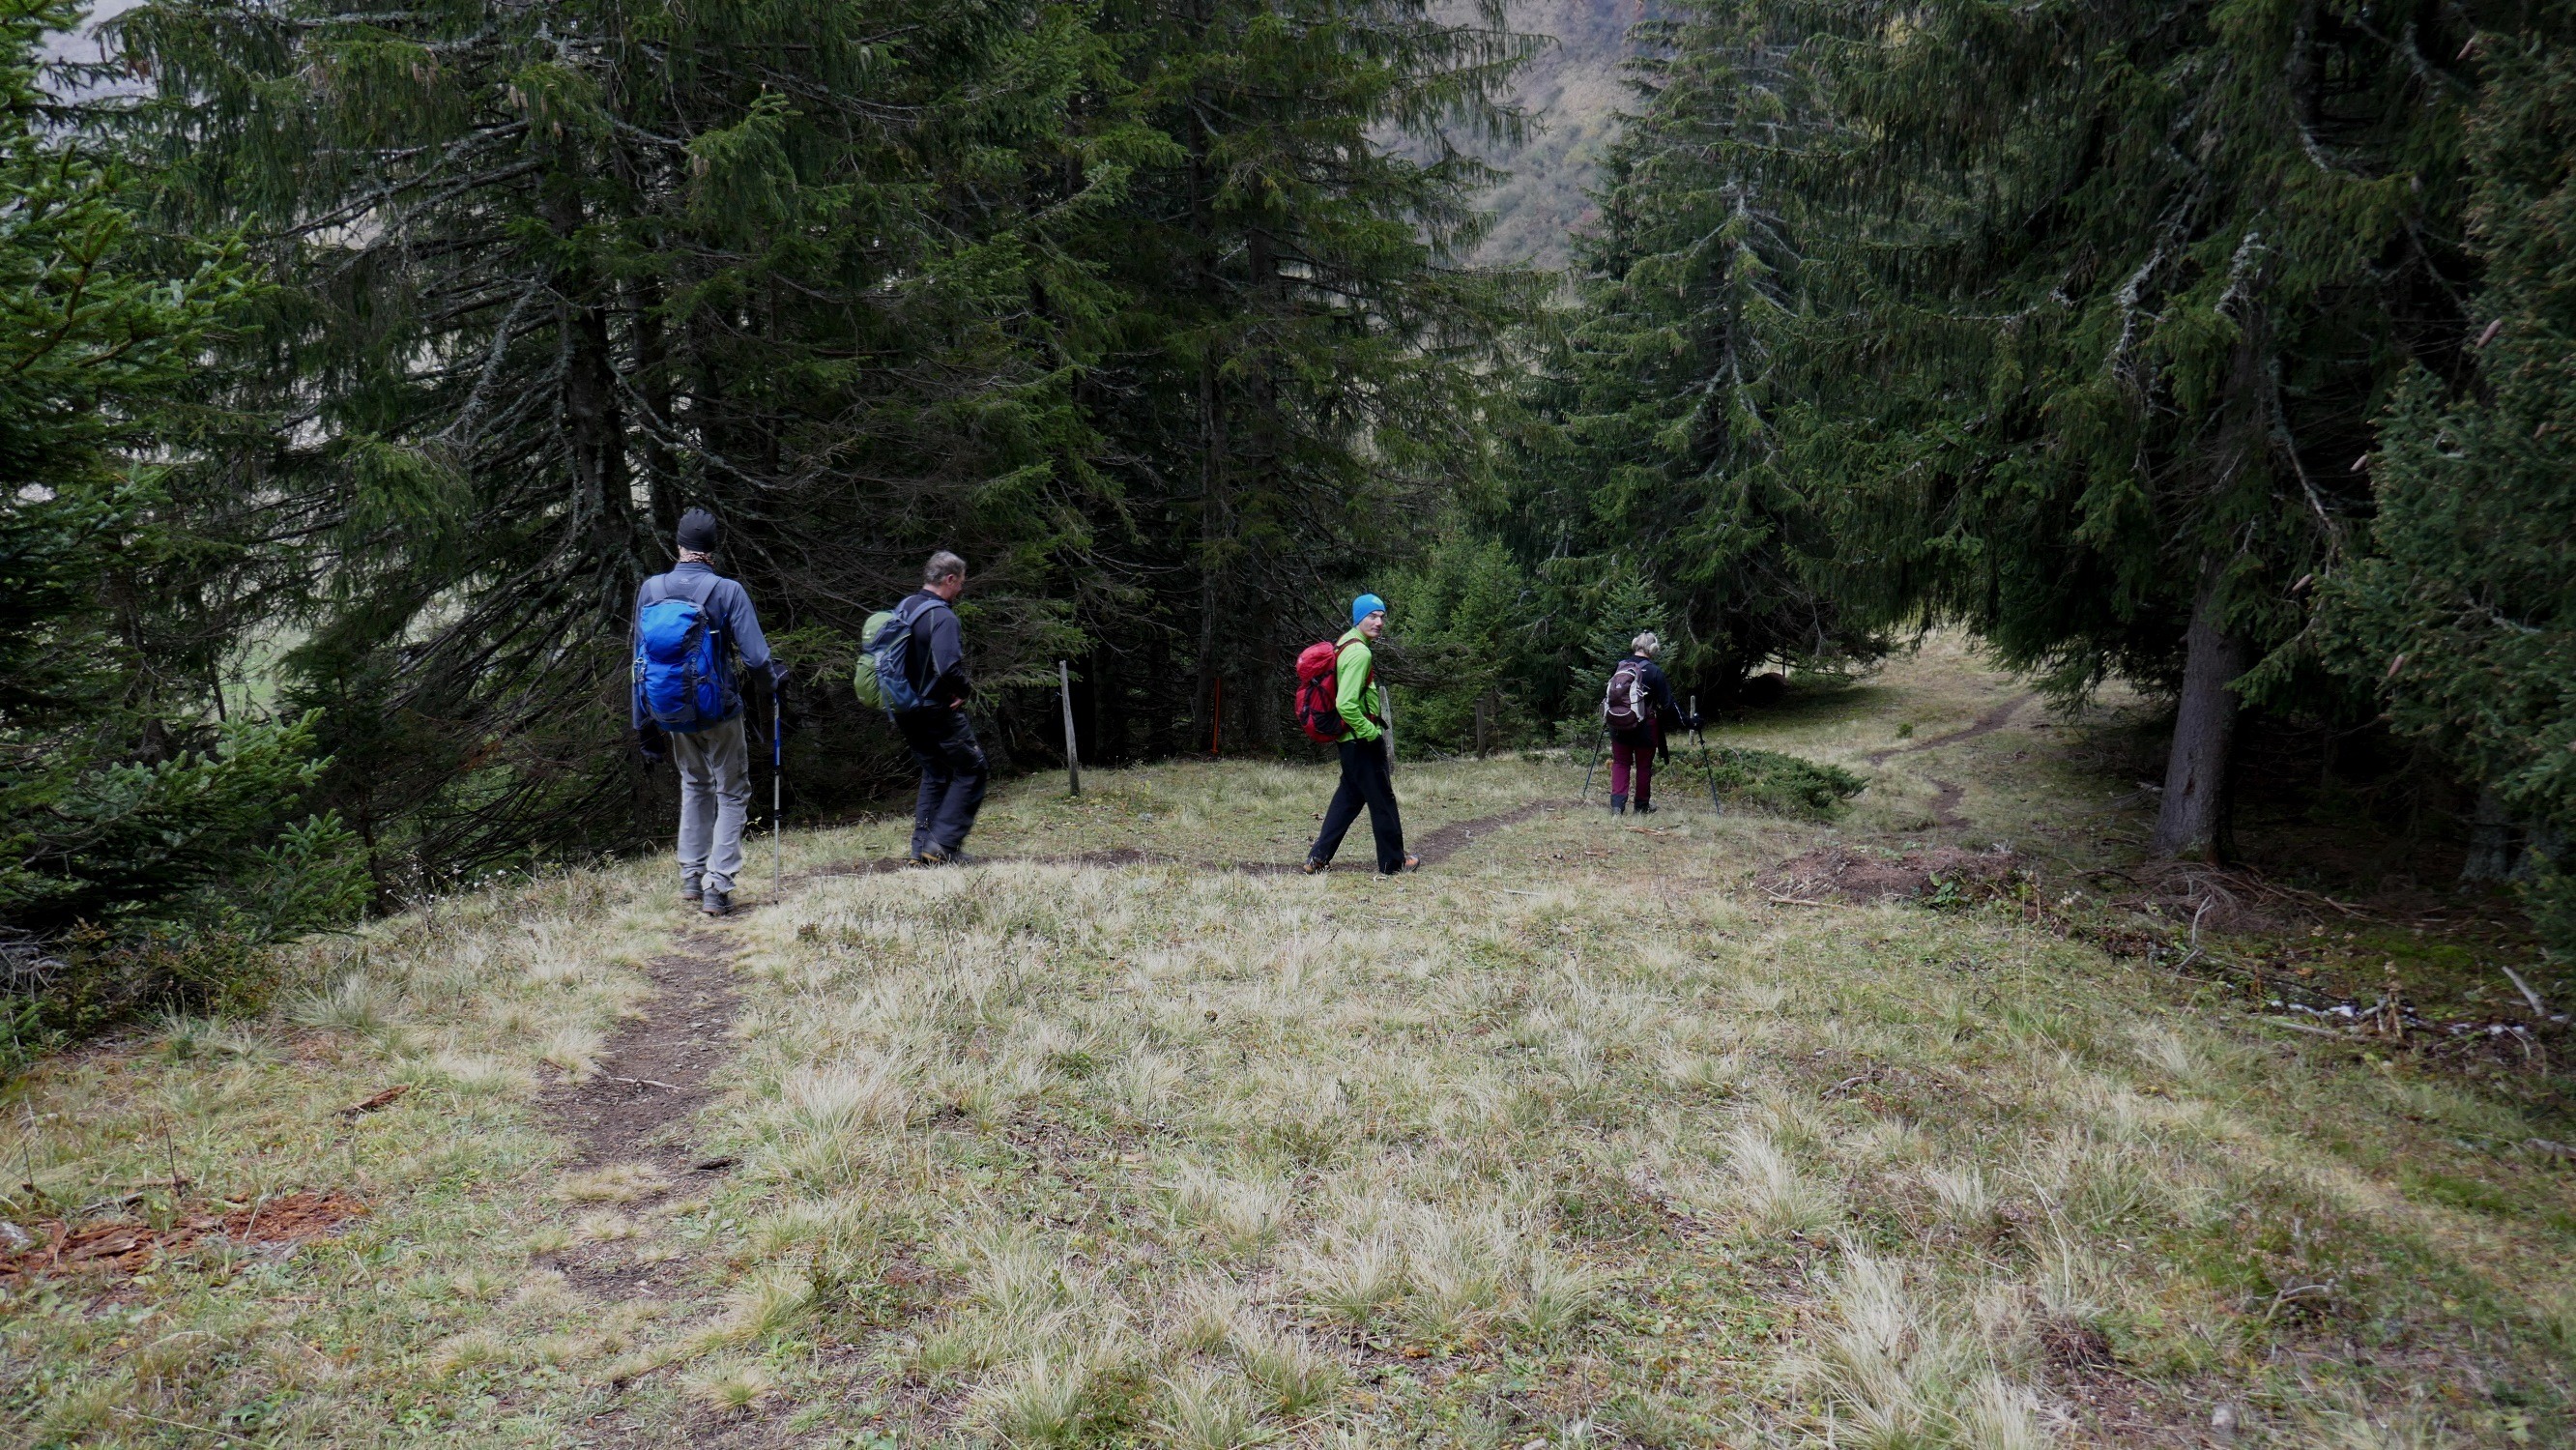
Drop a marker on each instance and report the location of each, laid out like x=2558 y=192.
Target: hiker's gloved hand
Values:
x=1695 y=722
x=650 y=744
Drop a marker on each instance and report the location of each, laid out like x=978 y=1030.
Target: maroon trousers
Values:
x=1628 y=760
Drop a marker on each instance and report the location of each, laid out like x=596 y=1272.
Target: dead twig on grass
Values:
x=384 y=1099
x=2539 y=1008
x=648 y=1082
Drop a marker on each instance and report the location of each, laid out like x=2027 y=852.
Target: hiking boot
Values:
x=937 y=857
x=1618 y=805
x=1312 y=867
x=1411 y=863
x=1644 y=809
x=716 y=903
x=691 y=888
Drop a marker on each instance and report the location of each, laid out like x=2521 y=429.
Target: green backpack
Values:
x=880 y=678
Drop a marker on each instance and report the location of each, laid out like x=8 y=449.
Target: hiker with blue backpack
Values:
x=1337 y=705
x=912 y=665
x=697 y=646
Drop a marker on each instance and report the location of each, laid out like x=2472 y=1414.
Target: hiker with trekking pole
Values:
x=698 y=651
x=1339 y=704
x=912 y=665
x=1639 y=711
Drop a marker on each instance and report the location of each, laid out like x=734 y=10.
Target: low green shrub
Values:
x=1782 y=785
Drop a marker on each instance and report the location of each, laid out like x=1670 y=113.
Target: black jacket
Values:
x=935 y=662
x=1667 y=717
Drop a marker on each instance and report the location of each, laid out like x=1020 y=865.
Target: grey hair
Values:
x=1646 y=644
x=942 y=565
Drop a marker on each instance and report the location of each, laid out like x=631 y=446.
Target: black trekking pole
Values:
x=777 y=840
x=1595 y=758
x=1714 y=804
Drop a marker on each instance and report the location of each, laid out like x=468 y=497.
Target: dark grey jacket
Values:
x=936 y=661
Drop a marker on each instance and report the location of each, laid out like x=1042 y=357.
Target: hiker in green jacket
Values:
x=1366 y=778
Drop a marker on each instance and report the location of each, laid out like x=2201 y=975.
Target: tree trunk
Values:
x=595 y=431
x=2490 y=855
x=2194 y=821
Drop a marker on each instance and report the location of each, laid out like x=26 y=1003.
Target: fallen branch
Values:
x=648 y=1082
x=383 y=1099
x=1794 y=900
x=2539 y=1008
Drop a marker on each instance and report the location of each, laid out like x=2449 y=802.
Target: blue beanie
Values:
x=1366 y=605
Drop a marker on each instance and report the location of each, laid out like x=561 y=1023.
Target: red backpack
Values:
x=1319 y=711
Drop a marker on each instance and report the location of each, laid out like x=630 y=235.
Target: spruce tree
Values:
x=2100 y=303
x=547 y=275
x=1651 y=449
x=128 y=808
x=2463 y=617
x=1289 y=383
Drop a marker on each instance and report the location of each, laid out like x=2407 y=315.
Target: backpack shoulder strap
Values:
x=698 y=589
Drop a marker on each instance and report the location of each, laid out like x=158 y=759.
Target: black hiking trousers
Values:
x=953 y=777
x=1365 y=781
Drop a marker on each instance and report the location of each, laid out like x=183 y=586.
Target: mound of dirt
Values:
x=1839 y=873
x=127 y=1247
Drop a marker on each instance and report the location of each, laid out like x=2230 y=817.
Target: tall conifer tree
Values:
x=2464 y=616
x=130 y=805
x=1291 y=380
x=2103 y=301
x=1655 y=453
x=551 y=273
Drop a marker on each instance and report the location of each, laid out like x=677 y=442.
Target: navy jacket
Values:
x=729 y=609
x=1667 y=716
x=936 y=661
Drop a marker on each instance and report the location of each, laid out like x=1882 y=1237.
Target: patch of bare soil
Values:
x=653 y=1074
x=125 y=1247
x=1457 y=836
x=1838 y=873
x=636 y=1109
x=1434 y=847
x=1945 y=806
x=1986 y=724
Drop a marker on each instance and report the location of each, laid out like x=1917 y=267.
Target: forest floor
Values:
x=1946 y=1123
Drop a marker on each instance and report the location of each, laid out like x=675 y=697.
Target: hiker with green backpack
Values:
x=912 y=665
x=694 y=629
x=1337 y=706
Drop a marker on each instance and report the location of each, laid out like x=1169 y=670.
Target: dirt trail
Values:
x=637 y=1109
x=1987 y=724
x=1945 y=806
x=1437 y=846
x=653 y=1073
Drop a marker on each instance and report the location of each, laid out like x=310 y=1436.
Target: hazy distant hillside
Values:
x=1575 y=88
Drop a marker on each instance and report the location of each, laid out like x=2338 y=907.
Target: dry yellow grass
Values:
x=1576 y=1140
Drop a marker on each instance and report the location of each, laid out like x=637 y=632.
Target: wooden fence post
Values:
x=1072 y=761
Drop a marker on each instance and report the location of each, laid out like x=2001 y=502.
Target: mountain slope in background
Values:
x=1575 y=91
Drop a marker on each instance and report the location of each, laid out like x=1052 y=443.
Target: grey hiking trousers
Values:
x=715 y=792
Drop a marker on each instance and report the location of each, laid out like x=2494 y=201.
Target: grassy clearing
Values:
x=1578 y=1140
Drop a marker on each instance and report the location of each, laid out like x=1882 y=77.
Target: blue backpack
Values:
x=680 y=681
x=886 y=641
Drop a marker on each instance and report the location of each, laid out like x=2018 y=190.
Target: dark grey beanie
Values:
x=698 y=531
